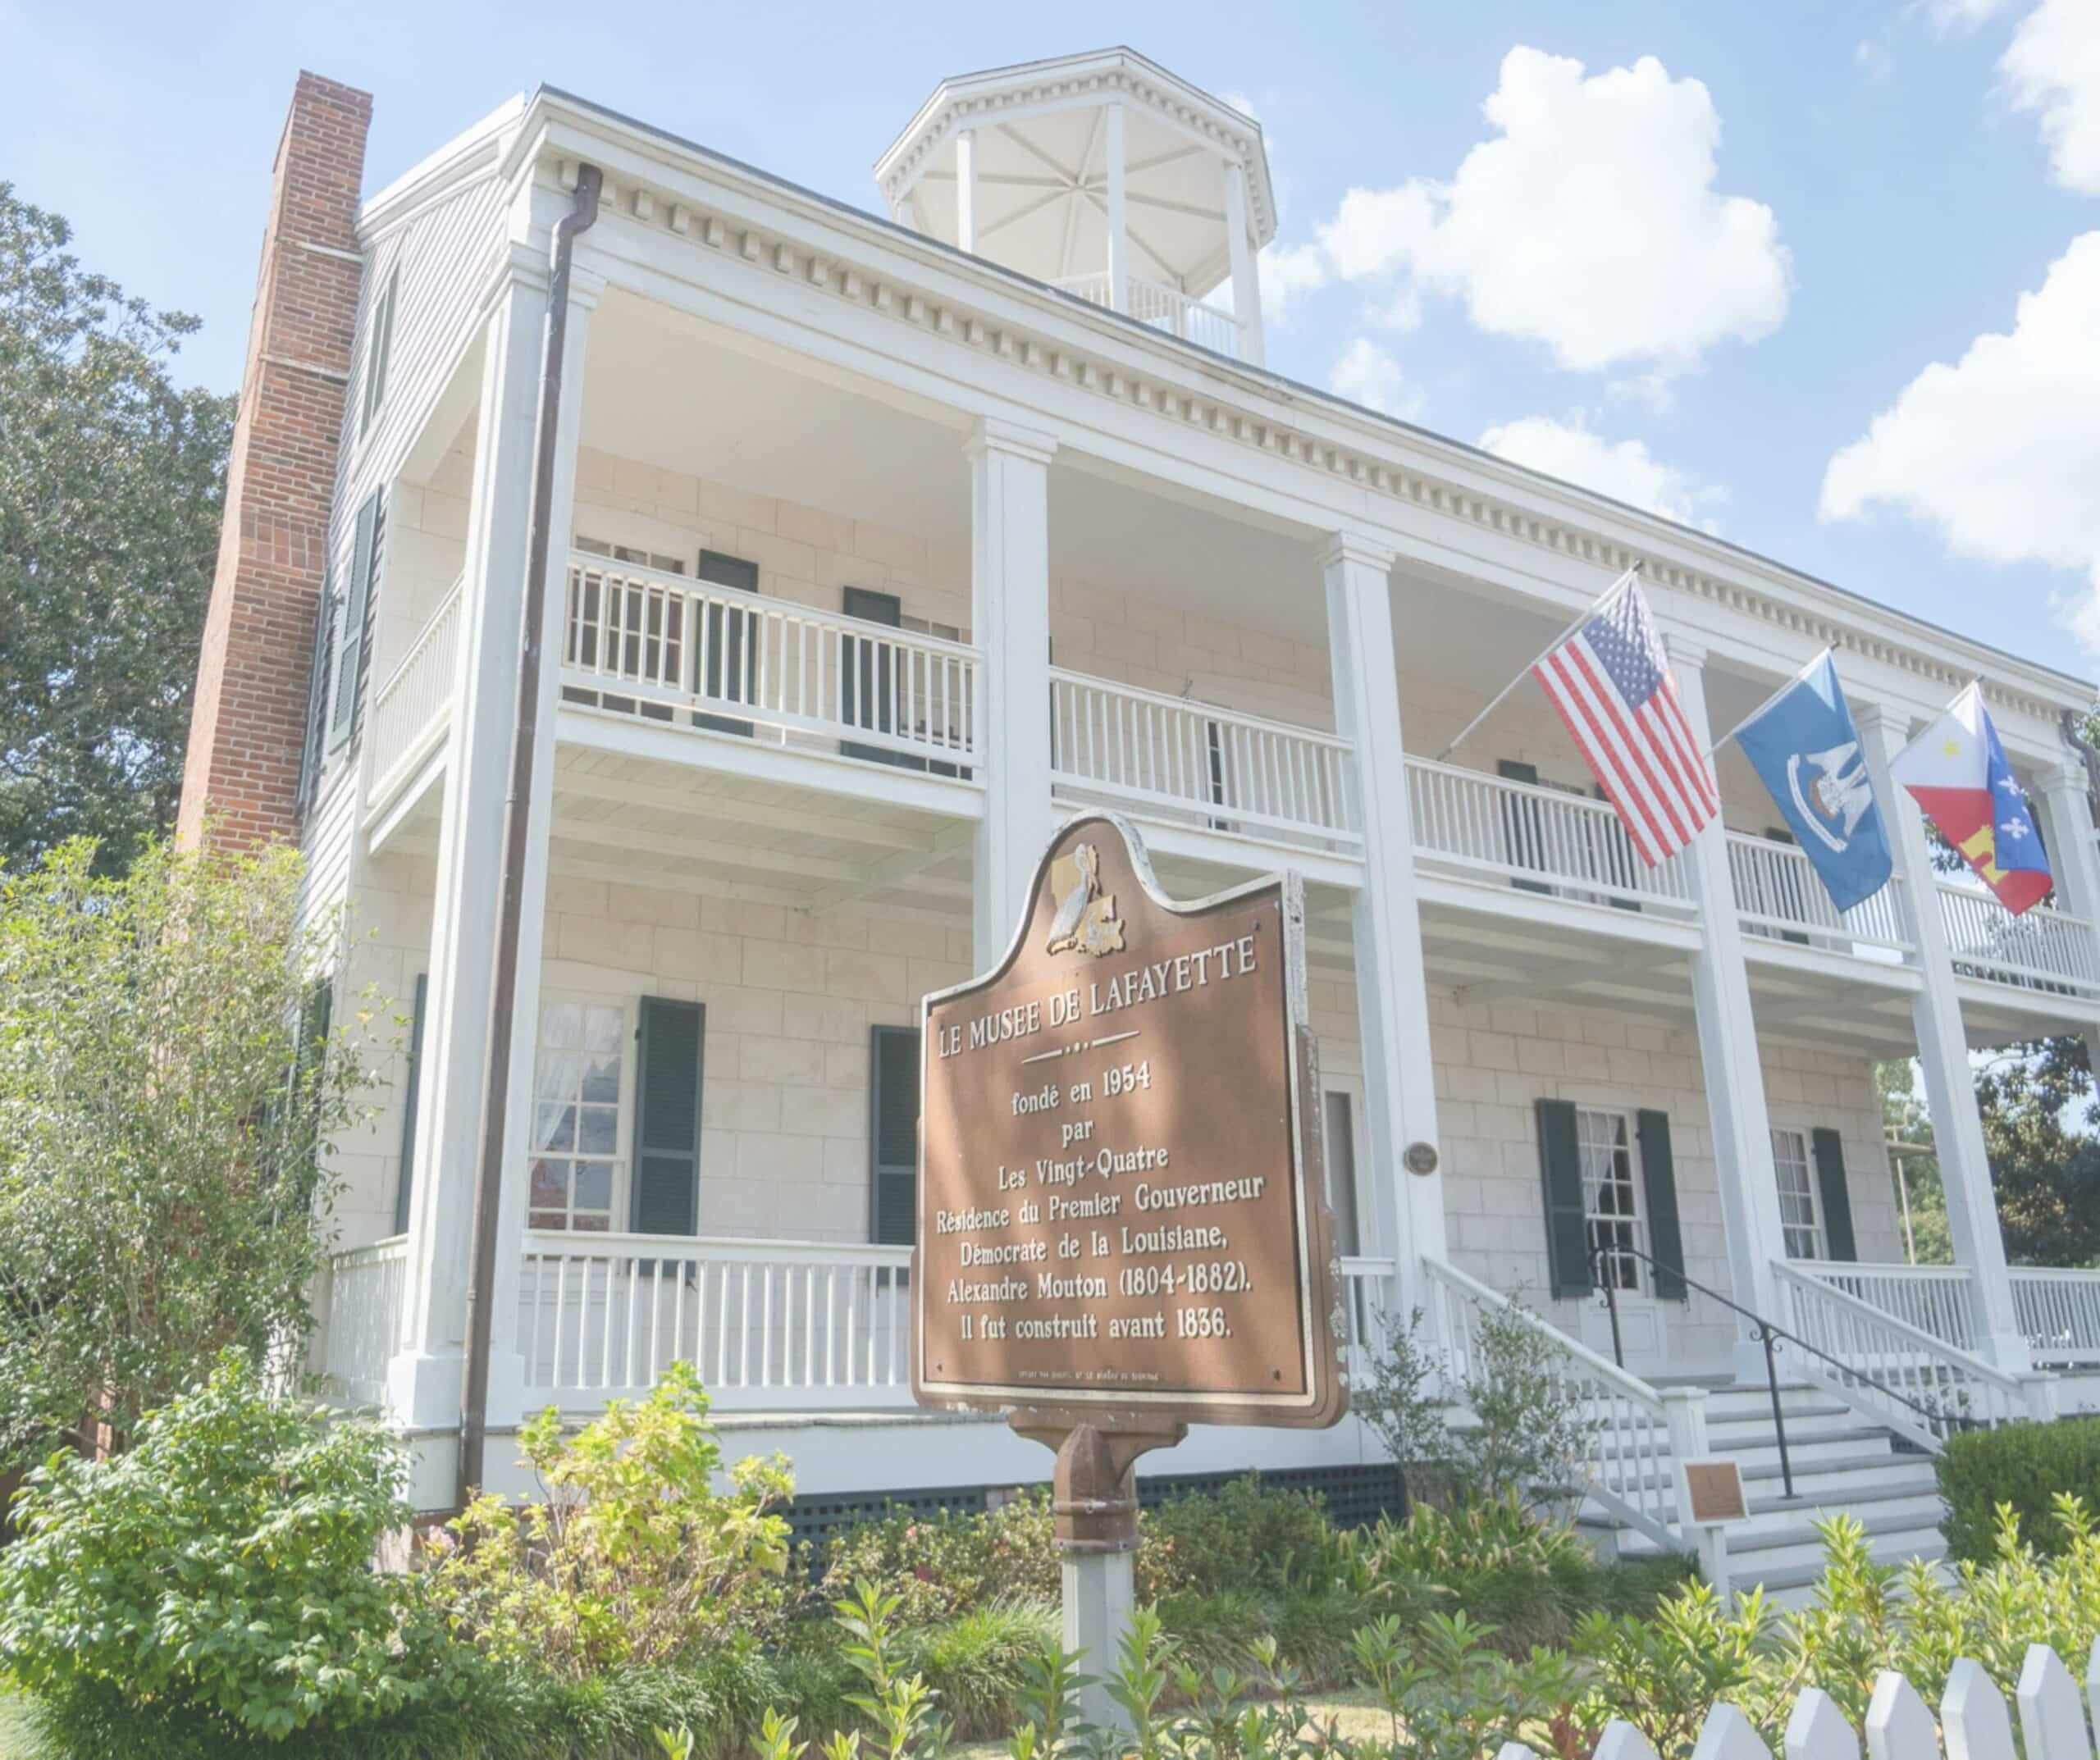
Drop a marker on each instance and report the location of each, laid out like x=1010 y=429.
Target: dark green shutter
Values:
x=317 y=689
x=350 y=634
x=732 y=632
x=1523 y=833
x=1560 y=1168
x=667 y=1117
x=893 y=1136
x=412 y=1092
x=1837 y=1196
x=1659 y=1185
x=863 y=679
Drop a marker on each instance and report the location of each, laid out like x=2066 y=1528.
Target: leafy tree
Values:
x=1905 y=1120
x=112 y=482
x=166 y=1090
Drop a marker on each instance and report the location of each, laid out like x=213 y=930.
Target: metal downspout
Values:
x=516 y=820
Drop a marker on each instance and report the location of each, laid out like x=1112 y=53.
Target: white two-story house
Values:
x=877 y=542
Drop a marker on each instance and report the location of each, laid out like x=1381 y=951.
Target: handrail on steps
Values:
x=1769 y=1333
x=1636 y=1478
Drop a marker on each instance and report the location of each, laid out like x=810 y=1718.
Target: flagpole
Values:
x=1592 y=610
x=1789 y=685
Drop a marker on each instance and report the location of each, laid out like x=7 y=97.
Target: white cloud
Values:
x=2001 y=451
x=2052 y=67
x=1873 y=59
x=1286 y=272
x=1367 y=374
x=1589 y=222
x=1962 y=15
x=1625 y=470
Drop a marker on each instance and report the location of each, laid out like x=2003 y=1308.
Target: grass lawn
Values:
x=17 y=1742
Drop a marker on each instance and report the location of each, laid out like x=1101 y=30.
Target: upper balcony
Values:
x=768 y=683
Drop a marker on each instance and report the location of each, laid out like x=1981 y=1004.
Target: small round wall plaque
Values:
x=1420 y=1158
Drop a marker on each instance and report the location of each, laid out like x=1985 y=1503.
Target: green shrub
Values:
x=1495 y=1562
x=1247 y=1538
x=2024 y=1466
x=220 y=1573
x=951 y=1563
x=974 y=1662
x=634 y=1560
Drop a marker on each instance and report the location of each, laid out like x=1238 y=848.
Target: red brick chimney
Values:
x=248 y=722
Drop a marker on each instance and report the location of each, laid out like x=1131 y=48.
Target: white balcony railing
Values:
x=1780 y=897
x=366 y=1286
x=2059 y=1313
x=1934 y=1298
x=2042 y=949
x=769 y=1324
x=669 y=649
x=1163 y=307
x=409 y=710
x=1535 y=840
x=1194 y=764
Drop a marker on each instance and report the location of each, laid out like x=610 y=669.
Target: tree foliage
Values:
x=112 y=482
x=165 y=1097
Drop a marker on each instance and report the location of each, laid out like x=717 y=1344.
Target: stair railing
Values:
x=1762 y=1331
x=1873 y=1358
x=1927 y=1417
x=1641 y=1433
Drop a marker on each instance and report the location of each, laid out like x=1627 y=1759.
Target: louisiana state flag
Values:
x=1957 y=771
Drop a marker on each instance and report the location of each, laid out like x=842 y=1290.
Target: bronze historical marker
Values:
x=1121 y=1223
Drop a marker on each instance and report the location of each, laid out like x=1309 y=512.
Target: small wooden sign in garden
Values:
x=1122 y=1227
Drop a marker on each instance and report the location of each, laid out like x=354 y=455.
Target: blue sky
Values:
x=1568 y=278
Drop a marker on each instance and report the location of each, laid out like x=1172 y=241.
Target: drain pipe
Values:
x=510 y=882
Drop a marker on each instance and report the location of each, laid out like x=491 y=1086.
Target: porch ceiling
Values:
x=685 y=828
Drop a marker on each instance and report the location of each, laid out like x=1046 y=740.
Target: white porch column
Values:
x=1964 y=1169
x=425 y=1378
x=506 y=1399
x=1246 y=278
x=2074 y=859
x=1741 y=1128
x=1392 y=995
x=966 y=190
x=1119 y=219
x=1010 y=618
x=2073 y=855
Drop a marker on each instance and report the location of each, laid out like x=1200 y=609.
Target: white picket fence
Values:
x=1975 y=1722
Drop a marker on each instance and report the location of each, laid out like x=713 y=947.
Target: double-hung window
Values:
x=576 y=1096
x=1799 y=1214
x=1611 y=1198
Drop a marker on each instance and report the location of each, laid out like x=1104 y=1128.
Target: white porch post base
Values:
x=1965 y=1168
x=1392 y=994
x=1100 y=1591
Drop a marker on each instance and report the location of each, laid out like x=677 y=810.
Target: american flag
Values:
x=1611 y=682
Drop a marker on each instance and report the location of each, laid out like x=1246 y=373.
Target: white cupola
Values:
x=1103 y=175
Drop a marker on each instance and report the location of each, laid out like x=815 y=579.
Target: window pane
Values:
x=593 y=1185
x=1611 y=1198
x=576 y=1119
x=1797 y=1199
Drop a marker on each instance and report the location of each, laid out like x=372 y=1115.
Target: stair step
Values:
x=1792 y=1585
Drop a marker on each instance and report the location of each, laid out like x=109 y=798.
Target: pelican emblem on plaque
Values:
x=1086 y=920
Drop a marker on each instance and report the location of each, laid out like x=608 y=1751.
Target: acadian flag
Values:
x=1956 y=772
